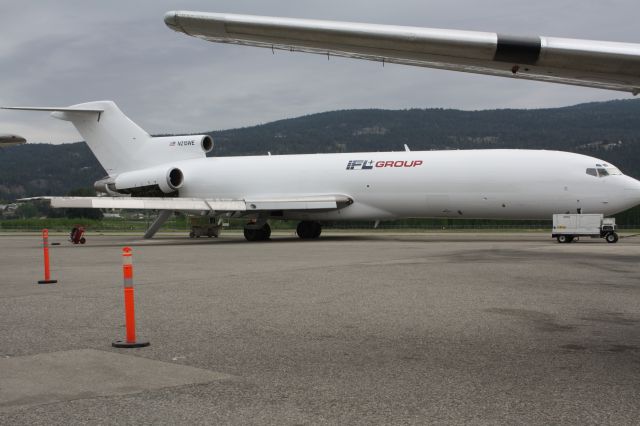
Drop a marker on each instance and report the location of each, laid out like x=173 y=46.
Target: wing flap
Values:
x=600 y=64
x=323 y=202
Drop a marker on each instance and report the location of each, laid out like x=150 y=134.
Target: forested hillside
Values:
x=608 y=130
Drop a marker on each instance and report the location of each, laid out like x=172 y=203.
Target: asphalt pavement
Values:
x=362 y=328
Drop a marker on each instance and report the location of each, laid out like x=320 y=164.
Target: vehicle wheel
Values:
x=308 y=229
x=317 y=230
x=265 y=232
x=83 y=240
x=562 y=238
x=261 y=234
x=611 y=237
x=192 y=234
x=250 y=234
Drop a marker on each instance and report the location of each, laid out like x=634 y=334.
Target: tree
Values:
x=27 y=211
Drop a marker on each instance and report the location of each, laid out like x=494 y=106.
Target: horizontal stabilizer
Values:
x=56 y=109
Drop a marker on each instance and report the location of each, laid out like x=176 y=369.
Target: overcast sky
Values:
x=59 y=53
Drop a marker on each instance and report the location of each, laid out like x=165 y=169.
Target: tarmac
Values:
x=366 y=328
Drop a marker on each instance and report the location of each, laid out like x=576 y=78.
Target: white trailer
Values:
x=566 y=227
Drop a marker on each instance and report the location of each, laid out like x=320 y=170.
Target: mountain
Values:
x=42 y=169
x=607 y=130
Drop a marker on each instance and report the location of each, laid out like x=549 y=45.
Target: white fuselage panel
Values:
x=505 y=184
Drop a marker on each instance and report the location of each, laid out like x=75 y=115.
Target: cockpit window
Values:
x=602 y=170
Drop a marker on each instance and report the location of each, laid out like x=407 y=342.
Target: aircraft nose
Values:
x=632 y=190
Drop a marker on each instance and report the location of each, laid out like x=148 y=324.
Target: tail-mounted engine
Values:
x=158 y=181
x=184 y=147
x=152 y=182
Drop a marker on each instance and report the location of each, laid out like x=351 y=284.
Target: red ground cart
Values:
x=77 y=235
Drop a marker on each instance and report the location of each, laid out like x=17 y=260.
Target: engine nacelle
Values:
x=181 y=145
x=147 y=181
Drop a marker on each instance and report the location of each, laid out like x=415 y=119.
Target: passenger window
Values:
x=592 y=172
x=602 y=172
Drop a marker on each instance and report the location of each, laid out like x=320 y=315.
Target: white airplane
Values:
x=173 y=173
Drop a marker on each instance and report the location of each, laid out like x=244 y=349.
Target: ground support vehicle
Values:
x=567 y=227
x=77 y=235
x=205 y=226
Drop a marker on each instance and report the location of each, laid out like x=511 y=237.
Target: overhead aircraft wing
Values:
x=10 y=140
x=599 y=64
x=320 y=202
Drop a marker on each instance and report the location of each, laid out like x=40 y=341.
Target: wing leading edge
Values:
x=590 y=63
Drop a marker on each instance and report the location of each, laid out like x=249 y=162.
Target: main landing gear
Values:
x=253 y=232
x=308 y=230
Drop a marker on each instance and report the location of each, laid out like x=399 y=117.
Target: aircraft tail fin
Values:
x=119 y=144
x=116 y=141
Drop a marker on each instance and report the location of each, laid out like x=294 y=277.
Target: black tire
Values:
x=317 y=230
x=562 y=238
x=251 y=234
x=83 y=240
x=308 y=230
x=612 y=237
x=261 y=234
x=301 y=230
x=266 y=232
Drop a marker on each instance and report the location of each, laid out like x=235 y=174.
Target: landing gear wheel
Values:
x=611 y=237
x=260 y=234
x=265 y=232
x=308 y=230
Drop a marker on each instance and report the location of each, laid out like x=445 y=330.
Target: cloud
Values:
x=72 y=51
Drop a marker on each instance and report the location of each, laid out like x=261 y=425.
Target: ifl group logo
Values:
x=370 y=164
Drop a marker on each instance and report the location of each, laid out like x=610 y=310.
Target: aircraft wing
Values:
x=10 y=140
x=320 y=202
x=599 y=64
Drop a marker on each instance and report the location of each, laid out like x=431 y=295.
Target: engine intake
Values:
x=175 y=178
x=206 y=143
